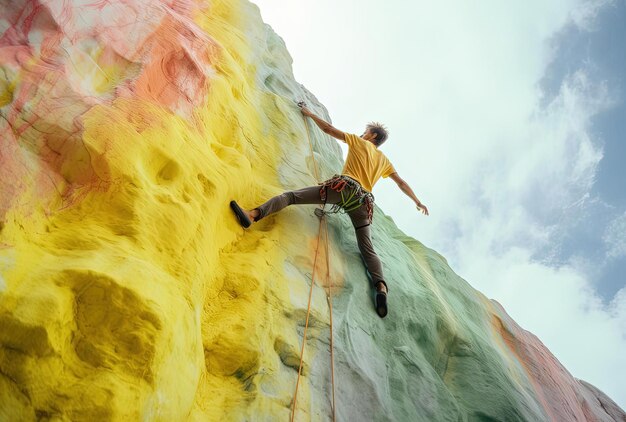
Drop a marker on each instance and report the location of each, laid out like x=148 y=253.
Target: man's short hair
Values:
x=380 y=130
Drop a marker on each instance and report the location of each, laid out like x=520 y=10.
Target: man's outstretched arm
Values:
x=324 y=125
x=404 y=186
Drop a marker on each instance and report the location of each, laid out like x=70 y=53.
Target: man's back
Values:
x=365 y=162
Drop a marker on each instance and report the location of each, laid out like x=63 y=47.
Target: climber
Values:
x=350 y=192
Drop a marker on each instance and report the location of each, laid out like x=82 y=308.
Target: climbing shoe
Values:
x=243 y=218
x=381 y=304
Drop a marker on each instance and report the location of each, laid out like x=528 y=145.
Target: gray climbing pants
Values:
x=359 y=217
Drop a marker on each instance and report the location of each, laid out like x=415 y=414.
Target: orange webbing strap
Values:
x=308 y=311
x=338 y=185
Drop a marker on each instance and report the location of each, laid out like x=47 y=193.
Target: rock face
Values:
x=129 y=292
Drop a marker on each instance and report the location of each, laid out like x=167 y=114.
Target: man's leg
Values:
x=307 y=195
x=364 y=241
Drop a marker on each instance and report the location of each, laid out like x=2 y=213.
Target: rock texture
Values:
x=129 y=292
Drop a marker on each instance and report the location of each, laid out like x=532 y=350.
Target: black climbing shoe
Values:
x=243 y=218
x=381 y=304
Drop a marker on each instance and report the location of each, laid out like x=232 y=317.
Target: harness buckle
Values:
x=320 y=212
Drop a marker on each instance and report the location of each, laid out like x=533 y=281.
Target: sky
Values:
x=507 y=119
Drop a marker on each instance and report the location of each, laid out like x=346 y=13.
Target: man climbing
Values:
x=350 y=191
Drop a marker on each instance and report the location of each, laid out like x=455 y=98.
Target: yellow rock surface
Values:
x=136 y=295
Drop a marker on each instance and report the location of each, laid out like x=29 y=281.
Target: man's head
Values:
x=376 y=133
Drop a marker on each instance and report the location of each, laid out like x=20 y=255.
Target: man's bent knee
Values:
x=291 y=197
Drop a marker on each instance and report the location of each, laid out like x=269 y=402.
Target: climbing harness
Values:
x=321 y=214
x=356 y=198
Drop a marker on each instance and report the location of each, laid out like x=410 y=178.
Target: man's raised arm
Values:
x=324 y=125
x=404 y=186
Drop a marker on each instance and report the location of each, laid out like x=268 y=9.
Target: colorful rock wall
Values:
x=129 y=292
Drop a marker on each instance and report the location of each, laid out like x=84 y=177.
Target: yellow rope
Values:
x=329 y=280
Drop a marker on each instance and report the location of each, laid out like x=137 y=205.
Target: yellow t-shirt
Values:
x=365 y=162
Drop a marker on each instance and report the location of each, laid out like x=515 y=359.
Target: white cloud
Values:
x=615 y=238
x=502 y=174
x=584 y=14
x=618 y=309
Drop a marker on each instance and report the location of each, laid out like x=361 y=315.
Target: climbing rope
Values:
x=306 y=125
x=329 y=281
x=329 y=296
